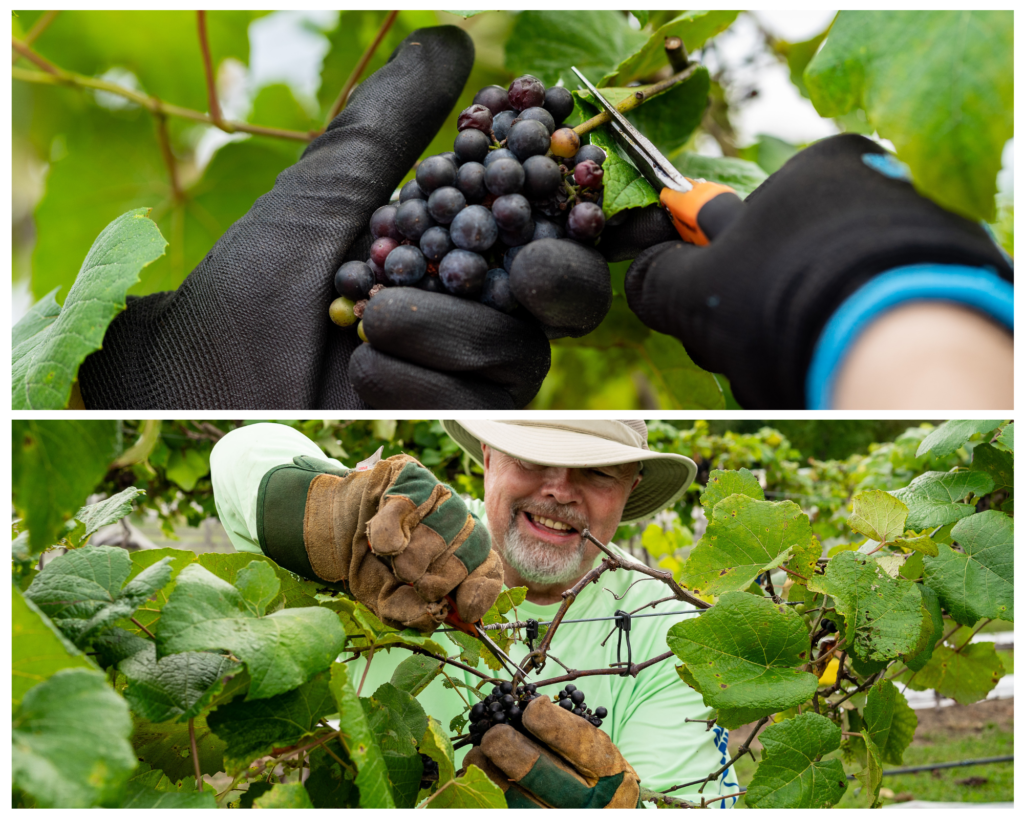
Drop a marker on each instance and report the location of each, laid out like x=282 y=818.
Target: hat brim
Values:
x=666 y=475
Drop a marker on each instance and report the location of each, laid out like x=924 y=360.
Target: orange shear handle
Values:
x=686 y=207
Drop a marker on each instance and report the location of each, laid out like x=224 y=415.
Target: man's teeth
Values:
x=553 y=524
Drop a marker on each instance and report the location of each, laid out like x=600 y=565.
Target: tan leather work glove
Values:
x=569 y=764
x=404 y=544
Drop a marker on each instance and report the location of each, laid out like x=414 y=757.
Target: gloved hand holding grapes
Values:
x=249 y=328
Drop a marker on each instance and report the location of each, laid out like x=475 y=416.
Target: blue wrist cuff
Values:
x=976 y=287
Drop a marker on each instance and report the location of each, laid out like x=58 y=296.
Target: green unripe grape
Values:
x=362 y=333
x=342 y=312
x=800 y=608
x=565 y=142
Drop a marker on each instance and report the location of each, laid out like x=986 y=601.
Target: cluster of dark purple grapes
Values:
x=516 y=176
x=505 y=706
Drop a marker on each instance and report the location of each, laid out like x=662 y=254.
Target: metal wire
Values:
x=963 y=763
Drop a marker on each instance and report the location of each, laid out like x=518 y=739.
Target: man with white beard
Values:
x=544 y=483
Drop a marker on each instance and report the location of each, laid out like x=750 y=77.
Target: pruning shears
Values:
x=474 y=630
x=700 y=210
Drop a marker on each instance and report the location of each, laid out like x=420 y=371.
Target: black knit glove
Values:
x=753 y=303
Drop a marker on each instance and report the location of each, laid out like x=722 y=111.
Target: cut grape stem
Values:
x=640 y=96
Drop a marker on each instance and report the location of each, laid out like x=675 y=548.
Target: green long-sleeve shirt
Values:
x=645 y=714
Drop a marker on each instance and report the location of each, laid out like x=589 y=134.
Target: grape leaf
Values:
x=898 y=65
x=258 y=586
x=295 y=591
x=979 y=582
x=329 y=785
x=740 y=175
x=116 y=644
x=722 y=483
x=624 y=187
x=38 y=649
x=178 y=686
x=890 y=721
x=438 y=747
x=73 y=709
x=950 y=436
x=681 y=384
x=966 y=677
x=745 y=538
x=398 y=745
x=745 y=653
x=473 y=790
x=996 y=463
x=46 y=496
x=878 y=515
x=600 y=41
x=641 y=17
x=883 y=615
x=142 y=797
x=789 y=774
x=165 y=745
x=288 y=795
x=281 y=651
x=110 y=510
x=250 y=729
x=402 y=707
x=415 y=673
x=360 y=742
x=44 y=367
x=1005 y=439
x=934 y=497
x=932 y=614
x=694 y=28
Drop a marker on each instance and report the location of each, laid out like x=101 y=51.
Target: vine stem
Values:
x=168 y=156
x=970 y=637
x=632 y=671
x=425 y=653
x=150 y=633
x=211 y=84
x=55 y=76
x=647 y=795
x=743 y=749
x=366 y=670
x=353 y=78
x=195 y=752
x=40 y=26
x=640 y=95
x=274 y=760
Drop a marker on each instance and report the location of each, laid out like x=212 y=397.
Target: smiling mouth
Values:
x=549 y=523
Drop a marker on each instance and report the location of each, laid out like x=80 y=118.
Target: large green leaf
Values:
x=178 y=686
x=360 y=742
x=44 y=367
x=745 y=538
x=398 y=744
x=281 y=651
x=38 y=650
x=471 y=791
x=740 y=175
x=45 y=493
x=979 y=581
x=890 y=721
x=939 y=84
x=878 y=515
x=109 y=510
x=789 y=774
x=745 y=655
x=883 y=615
x=624 y=187
x=932 y=613
x=294 y=592
x=415 y=673
x=250 y=729
x=70 y=741
x=149 y=614
x=966 y=674
x=934 y=497
x=600 y=41
x=996 y=463
x=694 y=27
x=950 y=436
x=722 y=483
x=166 y=745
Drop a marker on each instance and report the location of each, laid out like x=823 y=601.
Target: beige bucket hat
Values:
x=590 y=443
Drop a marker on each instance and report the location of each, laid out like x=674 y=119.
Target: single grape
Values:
x=528 y=138
x=435 y=172
x=476 y=116
x=566 y=704
x=505 y=687
x=546 y=229
x=511 y=212
x=382 y=223
x=559 y=102
x=405 y=265
x=500 y=718
x=601 y=712
x=578 y=712
x=435 y=243
x=380 y=249
x=496 y=691
x=414 y=218
x=515 y=712
x=361 y=332
x=515 y=238
x=445 y=203
x=576 y=696
x=502 y=122
x=586 y=221
x=494 y=97
x=563 y=694
x=495 y=155
x=354 y=280
x=463 y=273
x=565 y=142
x=410 y=190
x=588 y=174
x=495 y=706
x=542 y=115
x=504 y=176
x=474 y=229
x=471 y=182
x=378 y=272
x=541 y=177
x=477 y=711
x=525 y=92
x=592 y=153
x=431 y=284
x=341 y=312
x=471 y=145
x=497 y=291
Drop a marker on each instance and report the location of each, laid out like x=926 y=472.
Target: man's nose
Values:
x=560 y=486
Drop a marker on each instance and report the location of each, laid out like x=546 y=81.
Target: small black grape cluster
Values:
x=515 y=176
x=430 y=773
x=505 y=706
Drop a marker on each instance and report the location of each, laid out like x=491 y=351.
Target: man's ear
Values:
x=486 y=451
x=636 y=481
